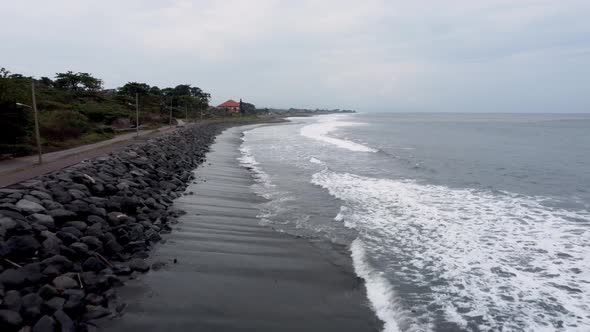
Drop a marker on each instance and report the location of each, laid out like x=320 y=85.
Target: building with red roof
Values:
x=230 y=106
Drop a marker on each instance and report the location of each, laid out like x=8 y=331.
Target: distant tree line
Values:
x=74 y=105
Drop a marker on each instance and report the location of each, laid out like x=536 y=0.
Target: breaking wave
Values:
x=476 y=260
x=320 y=130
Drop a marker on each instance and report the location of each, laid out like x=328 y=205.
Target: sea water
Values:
x=456 y=222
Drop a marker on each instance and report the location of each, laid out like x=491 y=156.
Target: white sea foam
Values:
x=264 y=187
x=485 y=261
x=320 y=130
x=379 y=291
x=314 y=160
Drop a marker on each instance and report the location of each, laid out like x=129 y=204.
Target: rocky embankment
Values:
x=68 y=238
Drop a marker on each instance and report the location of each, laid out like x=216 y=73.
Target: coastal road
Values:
x=19 y=169
x=233 y=274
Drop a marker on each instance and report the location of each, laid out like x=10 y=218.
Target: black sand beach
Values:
x=232 y=274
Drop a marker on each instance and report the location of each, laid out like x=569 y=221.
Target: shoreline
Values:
x=255 y=278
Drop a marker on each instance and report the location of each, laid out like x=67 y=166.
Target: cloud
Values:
x=453 y=55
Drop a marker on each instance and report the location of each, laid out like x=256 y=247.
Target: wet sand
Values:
x=233 y=274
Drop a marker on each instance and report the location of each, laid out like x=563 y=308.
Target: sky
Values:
x=369 y=55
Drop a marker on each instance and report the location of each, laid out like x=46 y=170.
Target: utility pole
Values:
x=136 y=114
x=37 y=135
x=170 y=124
x=186 y=113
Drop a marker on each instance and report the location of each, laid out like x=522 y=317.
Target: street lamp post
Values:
x=136 y=114
x=36 y=119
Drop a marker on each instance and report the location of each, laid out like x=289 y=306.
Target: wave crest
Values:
x=319 y=131
x=482 y=260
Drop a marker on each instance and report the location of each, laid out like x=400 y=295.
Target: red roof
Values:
x=230 y=103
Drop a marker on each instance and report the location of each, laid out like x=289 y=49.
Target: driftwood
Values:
x=104 y=260
x=13 y=263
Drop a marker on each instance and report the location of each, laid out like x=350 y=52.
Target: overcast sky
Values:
x=370 y=55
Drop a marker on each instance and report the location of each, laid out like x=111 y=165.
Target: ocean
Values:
x=456 y=222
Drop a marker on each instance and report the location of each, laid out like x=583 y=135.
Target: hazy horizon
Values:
x=454 y=56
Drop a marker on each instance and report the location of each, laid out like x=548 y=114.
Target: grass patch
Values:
x=50 y=146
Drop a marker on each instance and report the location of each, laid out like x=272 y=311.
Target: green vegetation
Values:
x=74 y=109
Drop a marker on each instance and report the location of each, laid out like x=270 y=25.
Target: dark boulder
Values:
x=61 y=216
x=12 y=214
x=94 y=299
x=62 y=197
x=81 y=249
x=95 y=230
x=65 y=322
x=29 y=207
x=13 y=278
x=92 y=242
x=52 y=205
x=138 y=264
x=77 y=194
x=113 y=247
x=40 y=194
x=64 y=282
x=93 y=264
x=67 y=237
x=7 y=224
x=95 y=219
x=13 y=300
x=47 y=291
x=50 y=247
x=72 y=230
x=95 y=312
x=54 y=304
x=22 y=246
x=79 y=225
x=60 y=263
x=45 y=324
x=135 y=232
x=117 y=218
x=31 y=308
x=10 y=321
x=121 y=269
x=33 y=273
x=74 y=306
x=42 y=219
x=129 y=204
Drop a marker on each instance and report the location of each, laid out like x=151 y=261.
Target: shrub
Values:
x=49 y=105
x=102 y=113
x=15 y=123
x=62 y=125
x=17 y=150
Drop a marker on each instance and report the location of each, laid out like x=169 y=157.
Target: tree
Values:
x=89 y=82
x=77 y=81
x=67 y=81
x=131 y=88
x=46 y=81
x=4 y=73
x=182 y=90
x=248 y=108
x=154 y=90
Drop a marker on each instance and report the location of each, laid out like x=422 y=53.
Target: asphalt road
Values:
x=20 y=169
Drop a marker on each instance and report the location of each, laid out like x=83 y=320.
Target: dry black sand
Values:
x=233 y=274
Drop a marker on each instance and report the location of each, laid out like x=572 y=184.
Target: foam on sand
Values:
x=326 y=124
x=379 y=291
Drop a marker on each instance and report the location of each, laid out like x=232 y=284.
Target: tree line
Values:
x=74 y=105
